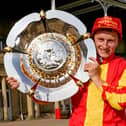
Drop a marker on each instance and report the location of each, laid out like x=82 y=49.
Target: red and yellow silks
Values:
x=102 y=106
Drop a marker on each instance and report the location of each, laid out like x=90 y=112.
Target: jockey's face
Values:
x=106 y=42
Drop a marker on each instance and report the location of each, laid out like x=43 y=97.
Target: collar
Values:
x=105 y=60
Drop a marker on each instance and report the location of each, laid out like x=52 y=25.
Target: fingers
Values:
x=92 y=65
x=87 y=67
x=93 y=60
x=14 y=86
x=12 y=82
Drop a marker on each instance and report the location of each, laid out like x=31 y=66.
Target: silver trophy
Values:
x=46 y=52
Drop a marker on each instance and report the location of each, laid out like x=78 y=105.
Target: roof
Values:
x=85 y=10
x=76 y=7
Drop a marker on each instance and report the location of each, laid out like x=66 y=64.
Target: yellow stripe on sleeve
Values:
x=114 y=99
x=122 y=81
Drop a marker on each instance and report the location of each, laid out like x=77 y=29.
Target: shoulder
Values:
x=119 y=60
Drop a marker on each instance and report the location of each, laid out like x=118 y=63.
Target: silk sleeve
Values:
x=115 y=95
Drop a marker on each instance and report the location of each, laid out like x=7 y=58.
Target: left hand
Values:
x=12 y=82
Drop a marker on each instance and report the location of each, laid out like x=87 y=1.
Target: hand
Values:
x=93 y=69
x=12 y=82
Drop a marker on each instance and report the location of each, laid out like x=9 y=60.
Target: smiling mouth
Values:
x=105 y=51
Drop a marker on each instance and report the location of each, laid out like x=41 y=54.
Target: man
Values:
x=102 y=100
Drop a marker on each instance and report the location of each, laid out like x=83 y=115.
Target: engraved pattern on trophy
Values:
x=51 y=55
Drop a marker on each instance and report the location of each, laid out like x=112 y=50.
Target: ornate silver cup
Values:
x=48 y=49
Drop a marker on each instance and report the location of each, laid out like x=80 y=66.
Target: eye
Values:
x=100 y=39
x=111 y=41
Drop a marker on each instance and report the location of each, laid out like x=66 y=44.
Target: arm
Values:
x=114 y=95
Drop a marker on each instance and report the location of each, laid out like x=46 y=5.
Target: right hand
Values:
x=93 y=69
x=12 y=82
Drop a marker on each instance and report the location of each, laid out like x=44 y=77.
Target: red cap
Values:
x=108 y=22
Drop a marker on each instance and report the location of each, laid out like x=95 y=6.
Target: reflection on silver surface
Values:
x=51 y=57
x=50 y=54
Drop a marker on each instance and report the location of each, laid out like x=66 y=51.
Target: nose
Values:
x=105 y=44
